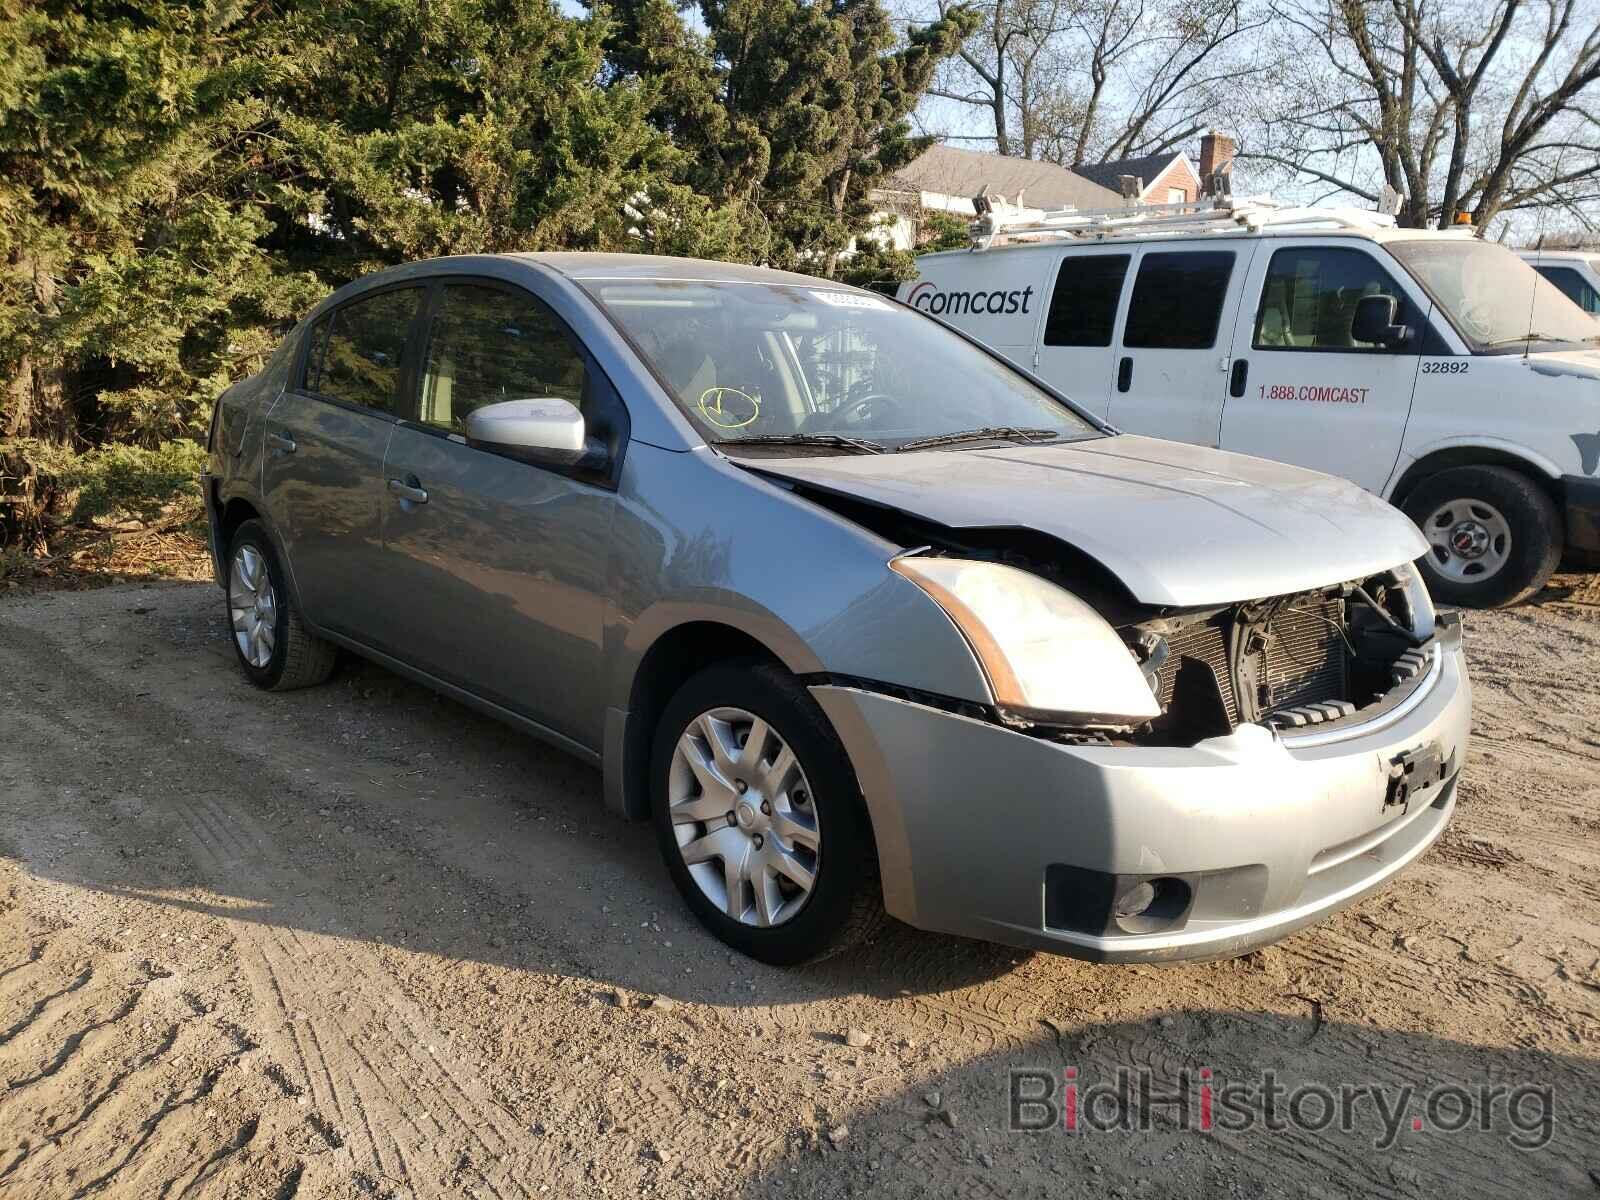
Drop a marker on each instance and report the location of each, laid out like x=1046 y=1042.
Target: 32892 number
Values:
x=1445 y=366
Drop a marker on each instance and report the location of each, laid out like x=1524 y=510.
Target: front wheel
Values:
x=1494 y=536
x=760 y=818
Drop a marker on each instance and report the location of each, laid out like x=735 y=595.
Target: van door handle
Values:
x=408 y=491
x=282 y=443
x=1236 y=381
x=1125 y=374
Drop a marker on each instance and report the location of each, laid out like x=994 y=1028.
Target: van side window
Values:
x=365 y=347
x=489 y=345
x=1309 y=299
x=1574 y=286
x=1083 y=307
x=1177 y=300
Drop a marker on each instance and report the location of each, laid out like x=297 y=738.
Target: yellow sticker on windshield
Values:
x=729 y=408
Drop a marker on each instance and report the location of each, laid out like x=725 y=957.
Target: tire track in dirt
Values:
x=299 y=982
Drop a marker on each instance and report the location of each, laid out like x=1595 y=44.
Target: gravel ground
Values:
x=359 y=941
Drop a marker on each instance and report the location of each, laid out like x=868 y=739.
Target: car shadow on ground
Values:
x=1201 y=1102
x=372 y=808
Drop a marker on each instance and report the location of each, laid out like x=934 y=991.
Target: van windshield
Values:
x=756 y=362
x=1494 y=299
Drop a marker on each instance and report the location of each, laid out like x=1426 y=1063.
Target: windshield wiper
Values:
x=1529 y=337
x=834 y=441
x=988 y=433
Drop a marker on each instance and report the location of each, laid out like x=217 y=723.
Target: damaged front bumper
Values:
x=1142 y=854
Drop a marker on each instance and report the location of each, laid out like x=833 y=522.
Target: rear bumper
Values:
x=989 y=833
x=1583 y=512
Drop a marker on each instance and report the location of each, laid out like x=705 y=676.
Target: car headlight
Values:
x=1045 y=651
x=1419 y=605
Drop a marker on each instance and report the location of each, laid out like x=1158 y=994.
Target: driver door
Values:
x=1302 y=390
x=496 y=568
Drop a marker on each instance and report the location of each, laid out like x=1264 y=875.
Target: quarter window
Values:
x=1309 y=299
x=1083 y=306
x=1177 y=300
x=366 y=345
x=489 y=345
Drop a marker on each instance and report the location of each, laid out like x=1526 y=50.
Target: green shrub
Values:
x=122 y=482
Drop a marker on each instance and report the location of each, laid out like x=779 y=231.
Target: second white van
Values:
x=1430 y=367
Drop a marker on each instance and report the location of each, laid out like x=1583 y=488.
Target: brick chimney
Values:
x=1216 y=149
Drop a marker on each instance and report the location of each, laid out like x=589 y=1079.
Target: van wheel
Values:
x=1494 y=536
x=760 y=817
x=274 y=647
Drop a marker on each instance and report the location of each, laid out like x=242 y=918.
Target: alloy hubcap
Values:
x=253 y=605
x=743 y=817
x=1468 y=540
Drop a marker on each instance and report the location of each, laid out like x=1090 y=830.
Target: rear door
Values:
x=495 y=572
x=1075 y=351
x=326 y=436
x=1171 y=358
x=1303 y=390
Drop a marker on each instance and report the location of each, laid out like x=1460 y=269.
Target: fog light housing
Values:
x=1136 y=900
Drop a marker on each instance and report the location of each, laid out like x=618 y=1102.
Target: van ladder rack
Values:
x=1000 y=224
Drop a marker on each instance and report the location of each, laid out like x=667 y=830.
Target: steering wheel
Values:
x=857 y=412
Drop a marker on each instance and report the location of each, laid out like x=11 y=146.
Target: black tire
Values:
x=845 y=904
x=1536 y=534
x=298 y=658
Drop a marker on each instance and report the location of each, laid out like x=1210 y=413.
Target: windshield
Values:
x=1493 y=298
x=785 y=362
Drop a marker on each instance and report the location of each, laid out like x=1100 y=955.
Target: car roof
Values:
x=580 y=265
x=1202 y=237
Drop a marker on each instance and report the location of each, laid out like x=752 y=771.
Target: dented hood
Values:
x=1178 y=524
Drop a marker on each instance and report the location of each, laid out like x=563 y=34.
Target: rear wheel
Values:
x=1494 y=536
x=760 y=818
x=273 y=645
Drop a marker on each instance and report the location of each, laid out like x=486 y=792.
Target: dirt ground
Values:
x=358 y=941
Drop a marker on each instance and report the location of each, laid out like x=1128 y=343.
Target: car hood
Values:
x=1178 y=524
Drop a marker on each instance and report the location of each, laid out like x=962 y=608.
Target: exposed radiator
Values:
x=1305 y=656
x=1306 y=659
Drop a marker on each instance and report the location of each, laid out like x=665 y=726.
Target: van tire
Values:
x=1508 y=530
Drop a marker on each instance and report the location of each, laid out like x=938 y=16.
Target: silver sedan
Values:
x=863 y=617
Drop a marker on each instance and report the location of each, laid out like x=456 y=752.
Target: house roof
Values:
x=1147 y=168
x=954 y=172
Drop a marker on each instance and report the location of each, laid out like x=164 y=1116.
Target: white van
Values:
x=1575 y=272
x=1430 y=367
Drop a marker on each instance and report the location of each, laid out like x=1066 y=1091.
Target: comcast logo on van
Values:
x=927 y=296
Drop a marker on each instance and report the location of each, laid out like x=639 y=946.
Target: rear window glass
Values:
x=365 y=347
x=1083 y=306
x=1177 y=300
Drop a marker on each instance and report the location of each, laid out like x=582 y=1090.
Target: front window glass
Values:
x=489 y=345
x=1309 y=299
x=773 y=360
x=1493 y=298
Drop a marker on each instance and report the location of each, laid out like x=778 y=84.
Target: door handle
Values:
x=282 y=443
x=408 y=491
x=1236 y=381
x=1125 y=374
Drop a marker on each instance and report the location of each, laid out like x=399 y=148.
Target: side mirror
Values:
x=549 y=431
x=1374 y=322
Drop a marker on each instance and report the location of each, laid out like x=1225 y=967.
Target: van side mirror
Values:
x=548 y=430
x=1374 y=322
